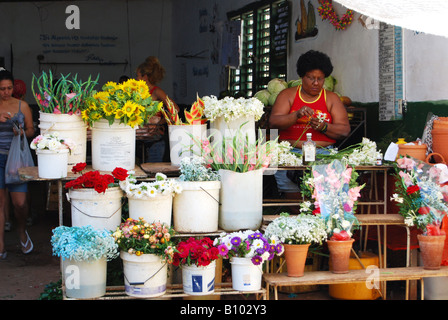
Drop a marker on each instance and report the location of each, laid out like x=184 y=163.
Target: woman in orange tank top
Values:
x=309 y=107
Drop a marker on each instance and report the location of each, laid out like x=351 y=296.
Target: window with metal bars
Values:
x=260 y=59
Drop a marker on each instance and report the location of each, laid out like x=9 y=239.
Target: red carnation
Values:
x=412 y=189
x=424 y=210
x=340 y=236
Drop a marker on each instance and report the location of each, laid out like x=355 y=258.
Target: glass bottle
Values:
x=309 y=150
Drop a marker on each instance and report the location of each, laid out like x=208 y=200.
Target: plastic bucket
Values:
x=145 y=276
x=198 y=280
x=70 y=127
x=156 y=209
x=241 y=198
x=196 y=209
x=112 y=146
x=84 y=279
x=100 y=210
x=181 y=141
x=230 y=128
x=245 y=275
x=52 y=164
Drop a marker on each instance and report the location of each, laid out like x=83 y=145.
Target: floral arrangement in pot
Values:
x=146 y=249
x=96 y=180
x=129 y=103
x=231 y=109
x=65 y=95
x=162 y=185
x=52 y=141
x=194 y=116
x=194 y=169
x=247 y=250
x=84 y=251
x=297 y=233
x=197 y=258
x=423 y=204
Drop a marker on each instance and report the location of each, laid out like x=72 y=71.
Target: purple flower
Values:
x=260 y=251
x=256 y=260
x=235 y=241
x=223 y=250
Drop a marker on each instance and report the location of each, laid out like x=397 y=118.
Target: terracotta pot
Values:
x=440 y=142
x=431 y=250
x=416 y=151
x=295 y=256
x=441 y=123
x=340 y=255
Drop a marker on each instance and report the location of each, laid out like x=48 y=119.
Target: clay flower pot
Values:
x=431 y=250
x=340 y=255
x=295 y=256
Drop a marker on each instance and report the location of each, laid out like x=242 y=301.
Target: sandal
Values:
x=3 y=255
x=28 y=244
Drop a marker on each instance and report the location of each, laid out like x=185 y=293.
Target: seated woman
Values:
x=308 y=108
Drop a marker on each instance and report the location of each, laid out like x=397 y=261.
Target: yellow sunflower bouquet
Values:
x=129 y=102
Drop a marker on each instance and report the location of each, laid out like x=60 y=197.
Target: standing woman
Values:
x=12 y=109
x=152 y=72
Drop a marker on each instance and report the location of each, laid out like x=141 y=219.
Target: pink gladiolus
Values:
x=347 y=174
x=68 y=96
x=406 y=178
x=56 y=110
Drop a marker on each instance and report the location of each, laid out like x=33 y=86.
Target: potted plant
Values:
x=146 y=249
x=96 y=198
x=197 y=258
x=422 y=203
x=52 y=154
x=228 y=115
x=151 y=200
x=240 y=165
x=247 y=251
x=336 y=192
x=297 y=233
x=84 y=252
x=196 y=208
x=61 y=101
x=180 y=131
x=114 y=114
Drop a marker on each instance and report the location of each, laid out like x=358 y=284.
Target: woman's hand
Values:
x=317 y=124
x=4 y=116
x=305 y=112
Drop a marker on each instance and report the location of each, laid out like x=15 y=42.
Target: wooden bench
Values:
x=371 y=276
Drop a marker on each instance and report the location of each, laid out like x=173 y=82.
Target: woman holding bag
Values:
x=13 y=111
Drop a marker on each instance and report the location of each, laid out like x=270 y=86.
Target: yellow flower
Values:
x=135 y=121
x=102 y=95
x=108 y=109
x=129 y=108
x=119 y=114
x=138 y=253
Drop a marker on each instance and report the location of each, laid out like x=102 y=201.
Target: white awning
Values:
x=429 y=16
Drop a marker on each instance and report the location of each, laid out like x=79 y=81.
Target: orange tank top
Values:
x=320 y=110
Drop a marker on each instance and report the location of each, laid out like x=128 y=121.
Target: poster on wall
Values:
x=306 y=22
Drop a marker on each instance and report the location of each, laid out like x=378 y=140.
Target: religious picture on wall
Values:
x=306 y=22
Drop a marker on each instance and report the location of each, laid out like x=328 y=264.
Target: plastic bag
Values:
x=19 y=156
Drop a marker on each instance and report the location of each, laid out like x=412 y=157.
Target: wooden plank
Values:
x=364 y=219
x=151 y=168
x=31 y=174
x=361 y=275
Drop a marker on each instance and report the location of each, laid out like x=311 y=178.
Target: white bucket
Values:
x=229 y=129
x=112 y=146
x=245 y=275
x=84 y=279
x=52 y=164
x=181 y=141
x=156 y=209
x=241 y=200
x=196 y=208
x=198 y=281
x=436 y=288
x=69 y=127
x=145 y=276
x=100 y=210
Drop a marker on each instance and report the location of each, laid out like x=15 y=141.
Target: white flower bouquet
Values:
x=231 y=109
x=149 y=189
x=193 y=169
x=51 y=141
x=300 y=229
x=284 y=157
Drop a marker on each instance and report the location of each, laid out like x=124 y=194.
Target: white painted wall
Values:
x=171 y=30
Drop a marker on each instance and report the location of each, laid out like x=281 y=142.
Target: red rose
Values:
x=424 y=210
x=79 y=167
x=316 y=211
x=120 y=173
x=412 y=189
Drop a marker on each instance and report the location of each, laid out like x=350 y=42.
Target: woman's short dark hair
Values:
x=312 y=60
x=6 y=75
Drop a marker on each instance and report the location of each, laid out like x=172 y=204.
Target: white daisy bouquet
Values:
x=148 y=189
x=231 y=108
x=300 y=229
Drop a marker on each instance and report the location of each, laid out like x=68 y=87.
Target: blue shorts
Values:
x=22 y=187
x=284 y=184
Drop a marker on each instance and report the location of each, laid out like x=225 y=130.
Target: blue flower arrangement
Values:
x=83 y=243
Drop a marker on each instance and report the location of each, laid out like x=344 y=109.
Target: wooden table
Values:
x=369 y=276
